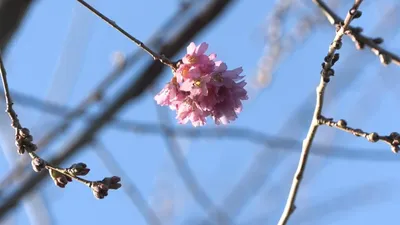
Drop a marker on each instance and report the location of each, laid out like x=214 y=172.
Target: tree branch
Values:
x=360 y=40
x=24 y=143
x=141 y=45
x=326 y=72
x=11 y=15
x=393 y=140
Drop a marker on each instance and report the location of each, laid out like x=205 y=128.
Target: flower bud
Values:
x=79 y=169
x=112 y=182
x=38 y=164
x=373 y=137
x=99 y=189
x=378 y=40
x=59 y=179
x=385 y=59
x=24 y=132
x=342 y=123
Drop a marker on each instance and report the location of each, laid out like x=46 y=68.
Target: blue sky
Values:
x=62 y=51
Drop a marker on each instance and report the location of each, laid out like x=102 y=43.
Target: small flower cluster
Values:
x=62 y=177
x=203 y=87
x=100 y=188
x=60 y=180
x=23 y=141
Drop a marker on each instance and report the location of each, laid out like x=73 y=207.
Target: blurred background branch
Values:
x=12 y=12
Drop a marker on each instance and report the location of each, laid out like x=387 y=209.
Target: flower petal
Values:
x=220 y=66
x=212 y=56
x=187 y=85
x=191 y=48
x=201 y=49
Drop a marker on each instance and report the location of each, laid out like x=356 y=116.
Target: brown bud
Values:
x=385 y=59
x=357 y=14
x=79 y=169
x=358 y=132
x=59 y=179
x=24 y=132
x=373 y=137
x=378 y=40
x=394 y=135
x=38 y=164
x=395 y=148
x=112 y=182
x=337 y=44
x=359 y=45
x=342 y=123
x=99 y=190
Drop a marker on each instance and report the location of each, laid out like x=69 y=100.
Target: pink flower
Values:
x=190 y=111
x=203 y=87
x=170 y=95
x=224 y=77
x=187 y=72
x=197 y=86
x=195 y=54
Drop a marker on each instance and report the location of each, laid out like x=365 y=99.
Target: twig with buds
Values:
x=60 y=176
x=360 y=40
x=326 y=72
x=393 y=139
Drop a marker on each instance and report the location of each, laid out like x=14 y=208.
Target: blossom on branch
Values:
x=203 y=87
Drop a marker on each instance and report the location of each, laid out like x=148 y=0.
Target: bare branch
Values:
x=112 y=23
x=393 y=140
x=326 y=72
x=360 y=40
x=23 y=140
x=11 y=14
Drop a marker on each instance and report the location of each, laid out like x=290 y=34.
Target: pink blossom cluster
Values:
x=203 y=87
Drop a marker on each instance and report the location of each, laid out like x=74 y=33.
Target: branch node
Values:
x=385 y=59
x=373 y=137
x=342 y=123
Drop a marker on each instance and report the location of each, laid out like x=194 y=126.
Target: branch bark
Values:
x=307 y=142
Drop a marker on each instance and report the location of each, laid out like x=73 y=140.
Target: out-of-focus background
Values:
x=57 y=53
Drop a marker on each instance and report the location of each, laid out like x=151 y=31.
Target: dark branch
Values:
x=11 y=14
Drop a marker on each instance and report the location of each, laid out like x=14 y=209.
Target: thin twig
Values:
x=307 y=142
x=9 y=109
x=12 y=13
x=361 y=40
x=112 y=23
x=251 y=183
x=23 y=137
x=393 y=139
